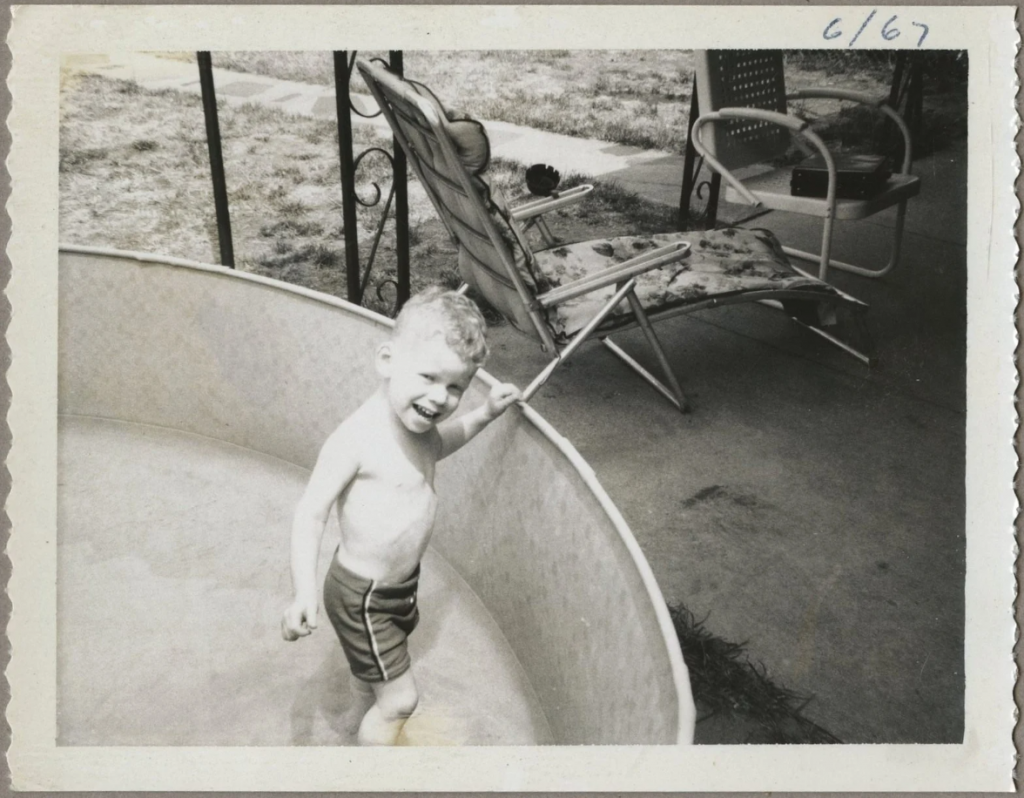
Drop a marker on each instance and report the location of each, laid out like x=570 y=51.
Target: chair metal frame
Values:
x=531 y=213
x=392 y=92
x=901 y=187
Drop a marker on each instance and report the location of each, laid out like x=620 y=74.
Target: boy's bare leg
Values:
x=360 y=689
x=396 y=701
x=362 y=700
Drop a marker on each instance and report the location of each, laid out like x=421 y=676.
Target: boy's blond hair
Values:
x=436 y=311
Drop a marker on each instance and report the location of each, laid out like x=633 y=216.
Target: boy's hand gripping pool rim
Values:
x=299 y=620
x=502 y=396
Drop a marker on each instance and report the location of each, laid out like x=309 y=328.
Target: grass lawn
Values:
x=134 y=174
x=634 y=97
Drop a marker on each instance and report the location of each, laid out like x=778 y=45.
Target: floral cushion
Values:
x=720 y=262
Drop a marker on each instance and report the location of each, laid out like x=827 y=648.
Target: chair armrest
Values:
x=794 y=123
x=558 y=199
x=652 y=259
x=881 y=105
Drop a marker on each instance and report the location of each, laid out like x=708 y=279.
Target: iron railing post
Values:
x=691 y=171
x=342 y=72
x=689 y=158
x=358 y=277
x=220 y=186
x=401 y=202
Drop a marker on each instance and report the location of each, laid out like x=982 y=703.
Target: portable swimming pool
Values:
x=193 y=401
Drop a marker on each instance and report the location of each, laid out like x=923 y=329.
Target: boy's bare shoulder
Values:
x=361 y=427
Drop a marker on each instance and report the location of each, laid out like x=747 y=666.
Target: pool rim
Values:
x=680 y=674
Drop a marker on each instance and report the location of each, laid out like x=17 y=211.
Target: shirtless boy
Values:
x=378 y=466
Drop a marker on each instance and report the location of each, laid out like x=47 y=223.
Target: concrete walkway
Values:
x=809 y=506
x=649 y=173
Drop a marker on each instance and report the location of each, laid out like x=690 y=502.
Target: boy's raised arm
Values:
x=459 y=431
x=335 y=467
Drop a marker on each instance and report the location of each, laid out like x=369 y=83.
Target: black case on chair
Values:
x=857 y=176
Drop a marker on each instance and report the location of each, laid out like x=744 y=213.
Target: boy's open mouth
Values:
x=430 y=415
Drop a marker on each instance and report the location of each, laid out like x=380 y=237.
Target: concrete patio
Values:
x=809 y=506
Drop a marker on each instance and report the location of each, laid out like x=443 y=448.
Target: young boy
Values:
x=379 y=468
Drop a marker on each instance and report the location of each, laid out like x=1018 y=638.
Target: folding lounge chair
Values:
x=744 y=120
x=566 y=294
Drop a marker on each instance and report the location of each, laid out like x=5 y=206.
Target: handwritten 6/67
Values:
x=888 y=32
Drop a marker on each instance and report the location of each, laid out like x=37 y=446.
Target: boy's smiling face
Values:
x=425 y=380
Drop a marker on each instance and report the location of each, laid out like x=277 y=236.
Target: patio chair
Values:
x=744 y=120
x=566 y=294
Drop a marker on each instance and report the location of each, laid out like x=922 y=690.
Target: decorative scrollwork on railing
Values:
x=358 y=273
x=351 y=105
x=703 y=191
x=376 y=187
x=364 y=277
x=381 y=286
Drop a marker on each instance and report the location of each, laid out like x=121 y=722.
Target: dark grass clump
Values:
x=726 y=683
x=285 y=254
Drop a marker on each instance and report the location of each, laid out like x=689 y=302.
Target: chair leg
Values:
x=862 y=348
x=679 y=403
x=866 y=340
x=673 y=392
x=830 y=263
x=867 y=357
x=545 y=232
x=542 y=227
x=897 y=242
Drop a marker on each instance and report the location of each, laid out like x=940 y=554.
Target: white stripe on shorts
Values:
x=369 y=628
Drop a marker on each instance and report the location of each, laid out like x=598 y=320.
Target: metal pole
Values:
x=711 y=215
x=689 y=158
x=220 y=187
x=401 y=203
x=348 y=178
x=896 y=91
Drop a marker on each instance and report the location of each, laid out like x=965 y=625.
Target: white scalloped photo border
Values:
x=40 y=34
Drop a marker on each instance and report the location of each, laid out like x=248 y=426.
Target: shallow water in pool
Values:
x=172 y=577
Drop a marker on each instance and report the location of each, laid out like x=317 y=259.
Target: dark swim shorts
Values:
x=373 y=620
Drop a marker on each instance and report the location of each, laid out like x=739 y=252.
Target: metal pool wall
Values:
x=274 y=368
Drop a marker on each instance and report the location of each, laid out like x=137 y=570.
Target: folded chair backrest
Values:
x=742 y=79
x=448 y=156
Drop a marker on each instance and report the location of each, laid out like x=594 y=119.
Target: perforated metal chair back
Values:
x=487 y=253
x=742 y=79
